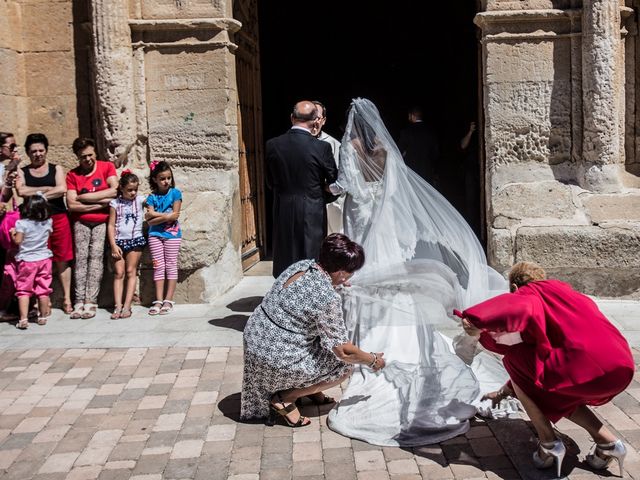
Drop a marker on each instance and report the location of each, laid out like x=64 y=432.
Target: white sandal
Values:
x=156 y=306
x=78 y=310
x=166 y=310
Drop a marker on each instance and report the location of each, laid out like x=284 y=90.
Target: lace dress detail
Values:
x=288 y=340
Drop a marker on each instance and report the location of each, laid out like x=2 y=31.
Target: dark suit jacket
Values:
x=298 y=168
x=419 y=146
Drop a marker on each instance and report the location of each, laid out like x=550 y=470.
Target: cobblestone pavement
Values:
x=169 y=409
x=171 y=413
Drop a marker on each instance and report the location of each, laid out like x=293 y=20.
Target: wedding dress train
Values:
x=422 y=261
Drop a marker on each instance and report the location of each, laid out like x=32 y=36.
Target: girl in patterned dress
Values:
x=296 y=342
x=124 y=231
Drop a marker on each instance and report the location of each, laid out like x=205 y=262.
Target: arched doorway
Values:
x=397 y=54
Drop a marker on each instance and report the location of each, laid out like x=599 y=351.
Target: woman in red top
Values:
x=90 y=188
x=561 y=353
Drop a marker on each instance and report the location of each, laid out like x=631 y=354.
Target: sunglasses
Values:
x=12 y=147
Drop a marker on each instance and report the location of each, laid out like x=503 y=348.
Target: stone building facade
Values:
x=179 y=80
x=562 y=138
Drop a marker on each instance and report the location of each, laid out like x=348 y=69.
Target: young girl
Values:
x=163 y=211
x=124 y=231
x=33 y=275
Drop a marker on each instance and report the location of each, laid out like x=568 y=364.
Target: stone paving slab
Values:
x=151 y=398
x=207 y=325
x=211 y=325
x=172 y=413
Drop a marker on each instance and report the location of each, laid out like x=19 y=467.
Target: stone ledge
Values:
x=607 y=208
x=229 y=24
x=596 y=260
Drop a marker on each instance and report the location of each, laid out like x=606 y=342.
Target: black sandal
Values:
x=283 y=412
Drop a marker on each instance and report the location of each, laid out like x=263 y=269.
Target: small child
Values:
x=165 y=236
x=33 y=276
x=124 y=231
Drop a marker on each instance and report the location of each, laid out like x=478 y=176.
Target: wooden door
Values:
x=250 y=139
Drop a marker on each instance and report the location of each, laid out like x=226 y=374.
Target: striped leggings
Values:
x=164 y=254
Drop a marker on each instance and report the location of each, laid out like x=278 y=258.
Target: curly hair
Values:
x=525 y=272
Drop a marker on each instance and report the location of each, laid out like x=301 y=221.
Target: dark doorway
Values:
x=397 y=54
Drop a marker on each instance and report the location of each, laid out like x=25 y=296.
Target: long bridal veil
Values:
x=422 y=261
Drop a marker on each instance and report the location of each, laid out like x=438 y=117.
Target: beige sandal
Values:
x=117 y=312
x=156 y=305
x=43 y=320
x=90 y=310
x=23 y=324
x=78 y=310
x=166 y=310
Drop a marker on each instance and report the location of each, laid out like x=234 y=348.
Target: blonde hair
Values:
x=524 y=272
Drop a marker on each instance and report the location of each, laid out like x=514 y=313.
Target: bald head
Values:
x=304 y=114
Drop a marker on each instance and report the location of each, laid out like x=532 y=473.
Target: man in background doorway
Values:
x=334 y=209
x=419 y=146
x=299 y=169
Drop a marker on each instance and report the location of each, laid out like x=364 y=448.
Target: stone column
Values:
x=113 y=71
x=602 y=152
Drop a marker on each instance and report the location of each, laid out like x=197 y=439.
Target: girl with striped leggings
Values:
x=162 y=213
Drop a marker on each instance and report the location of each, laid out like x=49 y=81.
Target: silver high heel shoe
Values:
x=603 y=453
x=552 y=452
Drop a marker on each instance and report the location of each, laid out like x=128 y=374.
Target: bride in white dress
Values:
x=422 y=261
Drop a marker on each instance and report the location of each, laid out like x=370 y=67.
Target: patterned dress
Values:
x=289 y=338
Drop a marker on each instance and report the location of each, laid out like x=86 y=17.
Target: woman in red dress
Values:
x=561 y=353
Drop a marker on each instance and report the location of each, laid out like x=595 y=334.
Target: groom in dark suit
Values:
x=299 y=168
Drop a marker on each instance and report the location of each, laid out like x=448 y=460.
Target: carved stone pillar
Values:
x=113 y=70
x=602 y=151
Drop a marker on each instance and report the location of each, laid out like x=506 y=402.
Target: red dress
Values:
x=570 y=354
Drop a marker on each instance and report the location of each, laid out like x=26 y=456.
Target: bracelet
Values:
x=375 y=359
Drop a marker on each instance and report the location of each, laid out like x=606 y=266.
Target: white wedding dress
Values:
x=422 y=261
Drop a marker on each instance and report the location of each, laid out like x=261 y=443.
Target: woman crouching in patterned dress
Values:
x=296 y=343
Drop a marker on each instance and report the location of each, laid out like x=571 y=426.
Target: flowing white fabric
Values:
x=422 y=261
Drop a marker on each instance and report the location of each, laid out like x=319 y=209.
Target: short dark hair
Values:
x=416 y=110
x=338 y=252
x=4 y=136
x=126 y=177
x=81 y=143
x=35 y=207
x=36 y=138
x=318 y=103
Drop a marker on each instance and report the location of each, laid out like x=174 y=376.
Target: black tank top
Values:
x=49 y=180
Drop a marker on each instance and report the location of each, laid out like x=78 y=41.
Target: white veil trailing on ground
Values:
x=422 y=261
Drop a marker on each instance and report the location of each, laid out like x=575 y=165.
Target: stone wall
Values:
x=184 y=79
x=43 y=80
x=559 y=190
x=149 y=79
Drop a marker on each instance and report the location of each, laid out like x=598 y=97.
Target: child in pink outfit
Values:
x=33 y=260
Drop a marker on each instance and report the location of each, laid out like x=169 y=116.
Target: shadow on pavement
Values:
x=247 y=304
x=517 y=445
x=230 y=407
x=236 y=322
